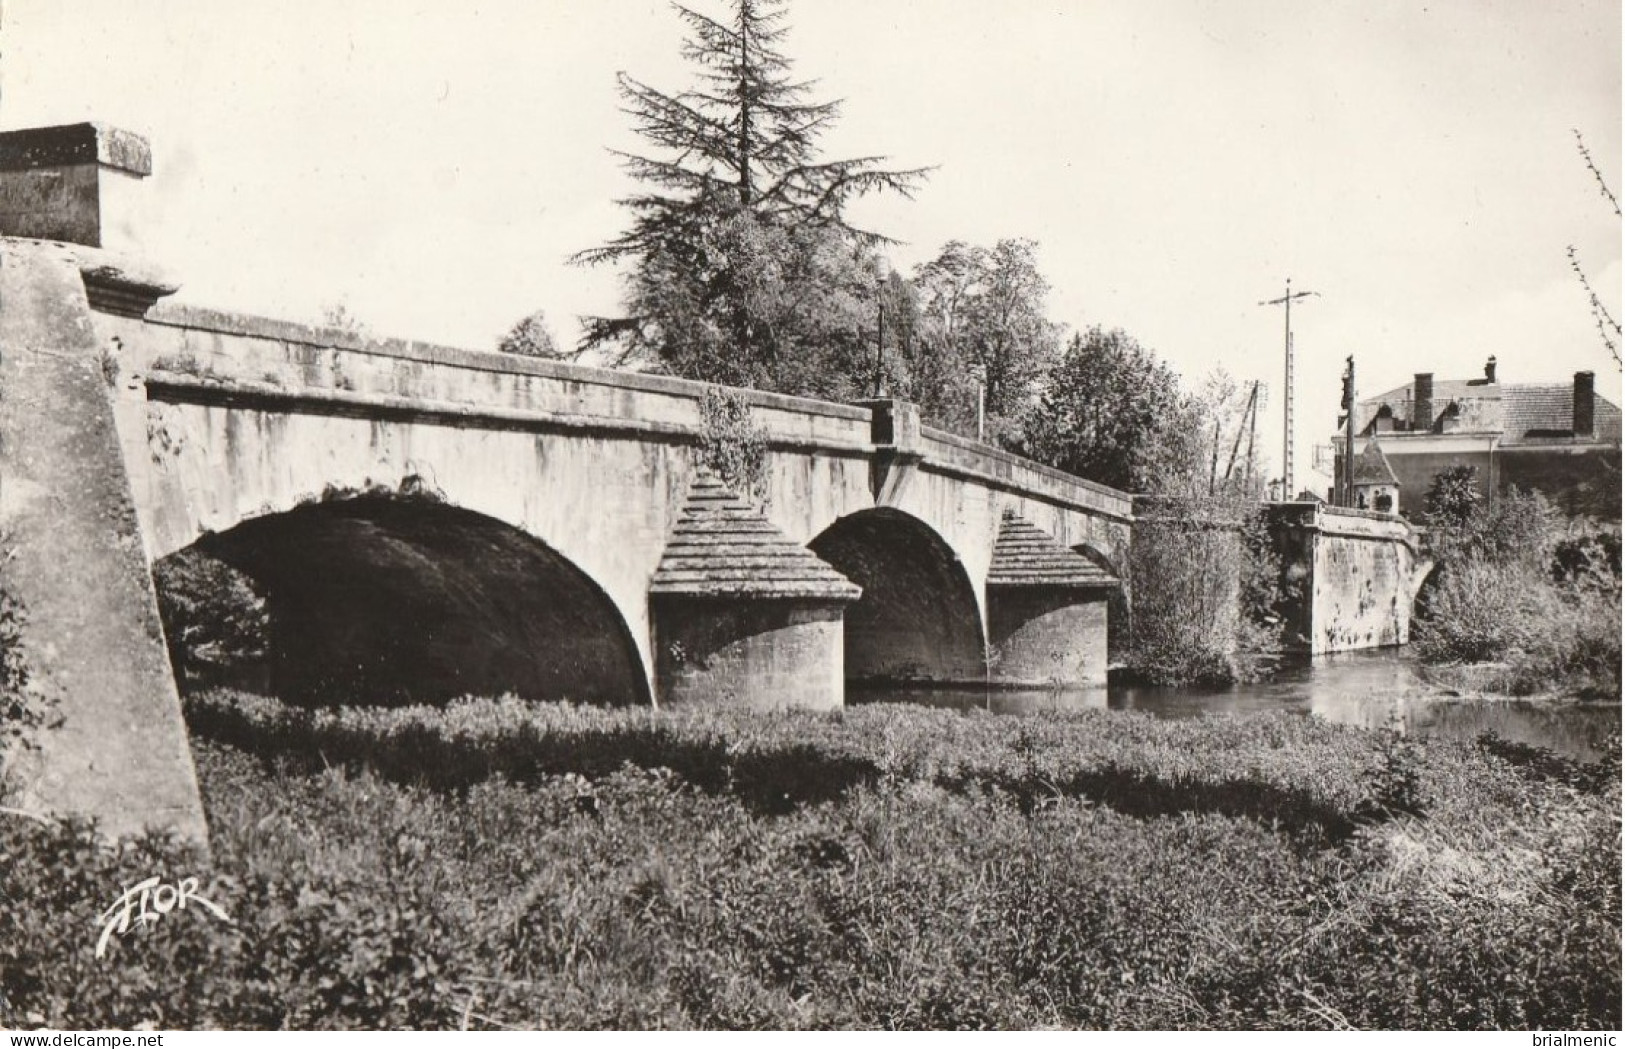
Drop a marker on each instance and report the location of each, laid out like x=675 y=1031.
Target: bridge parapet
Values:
x=188 y=354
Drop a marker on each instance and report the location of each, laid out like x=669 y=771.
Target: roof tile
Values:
x=721 y=546
x=1024 y=555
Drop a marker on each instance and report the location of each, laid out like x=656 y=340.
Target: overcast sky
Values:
x=432 y=165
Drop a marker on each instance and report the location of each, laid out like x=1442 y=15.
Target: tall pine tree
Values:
x=745 y=269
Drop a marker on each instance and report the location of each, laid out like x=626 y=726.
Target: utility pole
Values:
x=1213 y=466
x=1247 y=419
x=1286 y=443
x=880 y=324
x=1348 y=433
x=1252 y=431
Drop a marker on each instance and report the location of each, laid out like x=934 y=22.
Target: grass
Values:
x=496 y=864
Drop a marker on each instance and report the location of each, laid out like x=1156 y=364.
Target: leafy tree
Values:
x=982 y=324
x=1453 y=497
x=1113 y=413
x=533 y=337
x=1198 y=448
x=736 y=207
x=806 y=293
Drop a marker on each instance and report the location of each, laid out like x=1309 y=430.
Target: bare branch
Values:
x=1602 y=183
x=1607 y=326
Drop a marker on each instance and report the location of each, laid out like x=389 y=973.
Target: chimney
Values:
x=74 y=183
x=1489 y=369
x=1585 y=404
x=1422 y=419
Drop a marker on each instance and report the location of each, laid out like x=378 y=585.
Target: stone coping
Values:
x=967 y=444
x=1351 y=511
x=68 y=144
x=202 y=318
x=205 y=319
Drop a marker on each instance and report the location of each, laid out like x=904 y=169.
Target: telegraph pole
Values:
x=1286 y=443
x=1248 y=418
x=1348 y=433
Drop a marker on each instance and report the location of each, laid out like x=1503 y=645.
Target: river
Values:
x=1370 y=689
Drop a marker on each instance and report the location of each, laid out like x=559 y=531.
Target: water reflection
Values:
x=1368 y=689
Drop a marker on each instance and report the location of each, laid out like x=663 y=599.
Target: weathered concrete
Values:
x=1356 y=573
x=73 y=183
x=1048 y=636
x=765 y=655
x=93 y=639
x=1047 y=611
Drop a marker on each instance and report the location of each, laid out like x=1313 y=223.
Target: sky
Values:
x=431 y=166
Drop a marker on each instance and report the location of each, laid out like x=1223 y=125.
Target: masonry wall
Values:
x=1042 y=636
x=1351 y=572
x=1362 y=596
x=763 y=655
x=115 y=748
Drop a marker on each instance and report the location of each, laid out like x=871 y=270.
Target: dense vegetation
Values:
x=497 y=864
x=1528 y=599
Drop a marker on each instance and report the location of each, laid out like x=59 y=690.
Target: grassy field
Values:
x=495 y=864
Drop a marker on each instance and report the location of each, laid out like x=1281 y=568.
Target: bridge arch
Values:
x=918 y=618
x=389 y=599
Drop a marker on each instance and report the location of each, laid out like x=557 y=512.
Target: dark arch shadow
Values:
x=1422 y=601
x=917 y=619
x=393 y=600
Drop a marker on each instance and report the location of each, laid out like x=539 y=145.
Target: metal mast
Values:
x=1286 y=442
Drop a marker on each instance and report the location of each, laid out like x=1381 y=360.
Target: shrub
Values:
x=1542 y=633
x=1185 y=569
x=1520 y=588
x=731 y=444
x=1286 y=770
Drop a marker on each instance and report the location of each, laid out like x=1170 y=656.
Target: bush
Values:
x=316 y=950
x=1536 y=597
x=1300 y=774
x=1203 y=581
x=732 y=445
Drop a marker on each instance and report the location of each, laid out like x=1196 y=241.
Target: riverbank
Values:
x=1500 y=681
x=500 y=864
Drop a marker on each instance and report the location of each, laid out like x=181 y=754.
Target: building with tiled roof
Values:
x=1375 y=485
x=1557 y=438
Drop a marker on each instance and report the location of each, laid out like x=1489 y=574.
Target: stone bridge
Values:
x=426 y=522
